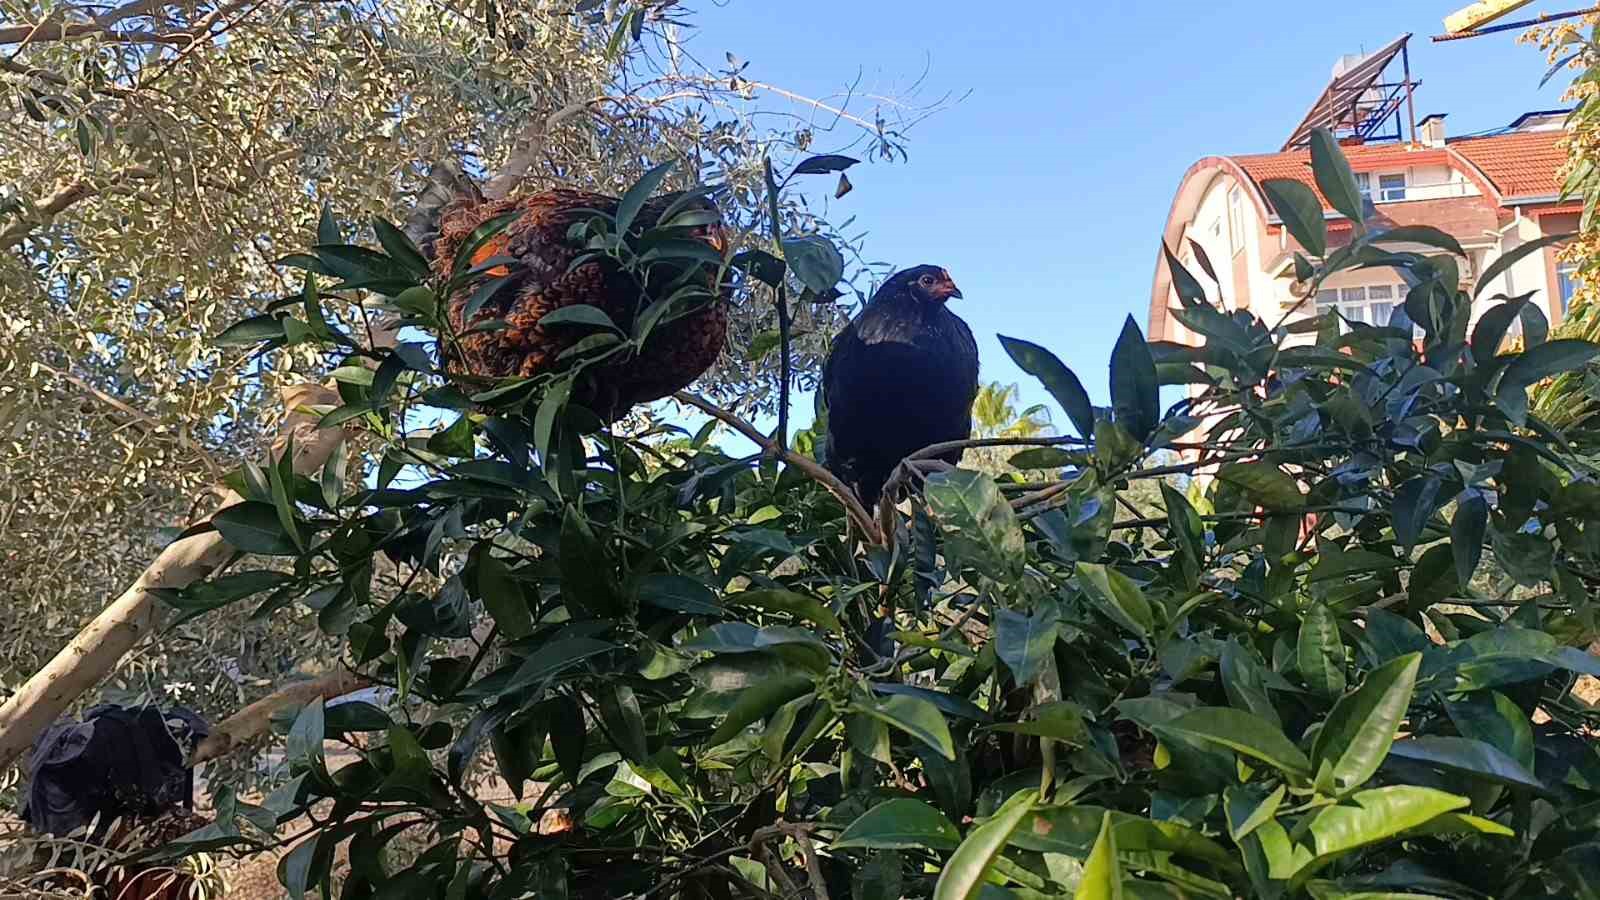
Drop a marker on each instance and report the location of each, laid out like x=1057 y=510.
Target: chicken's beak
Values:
x=949 y=291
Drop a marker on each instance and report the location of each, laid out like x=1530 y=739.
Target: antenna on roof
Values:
x=1361 y=103
x=1474 y=21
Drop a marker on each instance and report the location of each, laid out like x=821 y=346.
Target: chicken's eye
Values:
x=926 y=281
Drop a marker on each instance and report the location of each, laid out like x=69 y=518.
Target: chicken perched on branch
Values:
x=902 y=376
x=545 y=267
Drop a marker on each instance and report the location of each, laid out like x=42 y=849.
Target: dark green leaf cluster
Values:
x=1286 y=685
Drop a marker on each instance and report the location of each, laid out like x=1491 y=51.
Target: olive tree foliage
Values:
x=1573 y=47
x=1289 y=688
x=156 y=158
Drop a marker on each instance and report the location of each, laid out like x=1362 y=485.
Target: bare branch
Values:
x=852 y=504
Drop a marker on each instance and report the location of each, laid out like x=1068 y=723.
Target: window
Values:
x=1391 y=188
x=1370 y=305
x=1236 y=219
x=1566 y=278
x=1364 y=182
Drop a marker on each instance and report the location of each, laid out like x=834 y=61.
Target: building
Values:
x=1491 y=192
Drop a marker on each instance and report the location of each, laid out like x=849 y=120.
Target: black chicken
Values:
x=903 y=375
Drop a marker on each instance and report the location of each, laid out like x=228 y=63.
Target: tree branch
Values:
x=852 y=504
x=251 y=722
x=100 y=646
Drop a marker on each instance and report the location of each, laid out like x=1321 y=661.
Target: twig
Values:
x=852 y=504
x=933 y=450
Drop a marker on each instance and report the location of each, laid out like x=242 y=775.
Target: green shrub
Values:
x=1286 y=688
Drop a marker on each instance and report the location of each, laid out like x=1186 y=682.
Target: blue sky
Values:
x=1045 y=190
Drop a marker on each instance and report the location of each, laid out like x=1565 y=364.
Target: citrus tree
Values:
x=731 y=682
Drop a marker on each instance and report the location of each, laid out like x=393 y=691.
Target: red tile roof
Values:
x=1523 y=164
x=1517 y=165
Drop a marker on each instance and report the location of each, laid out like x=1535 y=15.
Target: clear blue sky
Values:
x=1044 y=191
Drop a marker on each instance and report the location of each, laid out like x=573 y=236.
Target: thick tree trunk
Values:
x=97 y=649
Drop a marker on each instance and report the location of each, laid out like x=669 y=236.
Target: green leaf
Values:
x=567 y=735
x=1135 y=392
x=815 y=261
x=333 y=476
x=1264 y=483
x=1467 y=531
x=1357 y=734
x=1319 y=652
x=900 y=824
x=254 y=527
x=981 y=531
x=328 y=226
x=553 y=659
x=953 y=704
x=1467 y=756
x=1025 y=643
x=1506 y=260
x=756 y=702
x=1117 y=596
x=633 y=201
x=296 y=869
x=1244 y=680
x=1190 y=292
x=1102 y=873
x=619 y=713
x=1064 y=721
x=480 y=236
x=880 y=877
x=1048 y=458
x=503 y=598
x=1334 y=177
x=963 y=877
x=280 y=481
x=1242 y=732
x=517 y=749
x=820 y=165
x=678 y=593
x=1490 y=333
x=792 y=644
x=1301 y=212
x=399 y=247
x=578 y=314
x=1057 y=379
x=1492 y=717
x=1415 y=502
x=204 y=596
x=1419 y=234
x=303 y=746
x=1247 y=809
x=586 y=587
x=1187 y=529
x=914 y=716
x=355 y=715
x=1536 y=364
x=412 y=769
x=797 y=605
x=253 y=330
x=1367 y=817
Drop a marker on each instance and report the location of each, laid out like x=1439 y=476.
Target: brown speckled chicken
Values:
x=675 y=353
